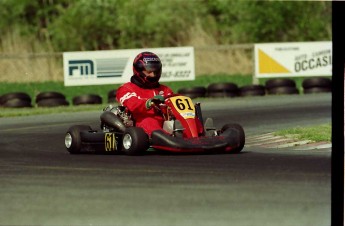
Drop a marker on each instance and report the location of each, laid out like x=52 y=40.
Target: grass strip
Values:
x=317 y=133
x=15 y=112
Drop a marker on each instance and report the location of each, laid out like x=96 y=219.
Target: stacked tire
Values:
x=252 y=90
x=15 y=100
x=317 y=85
x=281 y=86
x=87 y=99
x=193 y=92
x=227 y=89
x=112 y=96
x=51 y=99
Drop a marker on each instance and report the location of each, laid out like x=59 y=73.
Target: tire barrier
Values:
x=280 y=86
x=193 y=92
x=51 y=99
x=283 y=90
x=252 y=90
x=15 y=100
x=278 y=82
x=317 y=85
x=87 y=99
x=52 y=102
x=227 y=89
x=112 y=96
x=317 y=90
x=276 y=86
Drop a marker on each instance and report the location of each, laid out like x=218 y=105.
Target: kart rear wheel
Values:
x=239 y=128
x=135 y=141
x=73 y=140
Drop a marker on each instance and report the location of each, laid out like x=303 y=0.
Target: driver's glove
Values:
x=154 y=100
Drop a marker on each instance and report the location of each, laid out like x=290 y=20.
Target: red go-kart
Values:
x=184 y=131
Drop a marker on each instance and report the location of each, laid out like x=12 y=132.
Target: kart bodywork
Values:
x=184 y=131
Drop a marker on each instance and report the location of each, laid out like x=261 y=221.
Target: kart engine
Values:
x=111 y=116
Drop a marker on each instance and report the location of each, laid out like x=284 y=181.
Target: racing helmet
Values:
x=150 y=62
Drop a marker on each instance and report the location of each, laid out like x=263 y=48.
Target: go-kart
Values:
x=184 y=131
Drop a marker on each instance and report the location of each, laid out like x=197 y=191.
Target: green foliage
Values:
x=271 y=21
x=87 y=25
x=155 y=23
x=31 y=16
x=111 y=24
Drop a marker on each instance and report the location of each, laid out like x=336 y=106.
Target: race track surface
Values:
x=42 y=184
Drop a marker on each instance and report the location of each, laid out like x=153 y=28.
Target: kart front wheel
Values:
x=73 y=140
x=241 y=137
x=135 y=141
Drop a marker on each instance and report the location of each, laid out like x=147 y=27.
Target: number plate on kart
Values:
x=110 y=142
x=184 y=106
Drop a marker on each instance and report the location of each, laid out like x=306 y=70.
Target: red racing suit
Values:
x=134 y=99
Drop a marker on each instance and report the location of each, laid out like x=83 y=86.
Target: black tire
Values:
x=54 y=102
x=316 y=82
x=15 y=95
x=252 y=90
x=193 y=92
x=241 y=138
x=283 y=90
x=196 y=89
x=192 y=95
x=87 y=99
x=135 y=141
x=219 y=87
x=49 y=95
x=222 y=94
x=317 y=90
x=112 y=96
x=280 y=82
x=73 y=142
x=17 y=103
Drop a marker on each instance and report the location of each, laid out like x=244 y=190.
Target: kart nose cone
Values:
x=68 y=140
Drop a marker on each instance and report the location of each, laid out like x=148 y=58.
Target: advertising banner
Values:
x=115 y=66
x=295 y=59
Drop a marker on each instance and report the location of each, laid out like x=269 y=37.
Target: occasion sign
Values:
x=293 y=59
x=115 y=66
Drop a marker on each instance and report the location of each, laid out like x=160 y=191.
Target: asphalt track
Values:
x=41 y=184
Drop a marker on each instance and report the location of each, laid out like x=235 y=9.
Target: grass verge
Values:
x=316 y=133
x=15 y=112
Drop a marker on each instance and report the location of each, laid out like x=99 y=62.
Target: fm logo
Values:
x=80 y=67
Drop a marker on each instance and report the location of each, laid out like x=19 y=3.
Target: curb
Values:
x=269 y=140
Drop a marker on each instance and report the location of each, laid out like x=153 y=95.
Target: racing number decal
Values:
x=110 y=142
x=184 y=106
x=181 y=104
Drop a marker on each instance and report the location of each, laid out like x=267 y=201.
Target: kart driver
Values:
x=143 y=91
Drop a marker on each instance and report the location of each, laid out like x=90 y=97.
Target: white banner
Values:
x=116 y=66
x=295 y=59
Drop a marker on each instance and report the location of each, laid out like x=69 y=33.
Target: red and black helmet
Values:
x=150 y=62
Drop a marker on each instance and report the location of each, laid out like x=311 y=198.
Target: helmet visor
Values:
x=152 y=64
